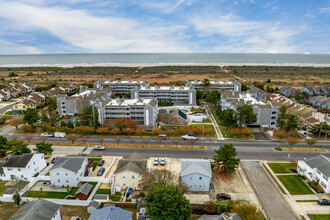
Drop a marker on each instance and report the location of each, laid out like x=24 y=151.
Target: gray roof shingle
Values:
x=196 y=166
x=18 y=160
x=109 y=213
x=71 y=163
x=10 y=191
x=84 y=189
x=320 y=162
x=36 y=210
x=133 y=162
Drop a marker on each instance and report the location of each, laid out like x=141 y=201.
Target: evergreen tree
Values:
x=70 y=124
x=31 y=116
x=168 y=203
x=43 y=147
x=225 y=158
x=96 y=122
x=229 y=117
x=245 y=114
x=86 y=116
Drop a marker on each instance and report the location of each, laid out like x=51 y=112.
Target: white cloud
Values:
x=324 y=10
x=96 y=34
x=14 y=48
x=239 y=35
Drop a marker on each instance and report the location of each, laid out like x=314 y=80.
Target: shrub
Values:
x=197 y=130
x=103 y=130
x=316 y=186
x=26 y=128
x=83 y=130
x=247 y=211
x=64 y=129
x=115 y=131
x=210 y=207
x=156 y=131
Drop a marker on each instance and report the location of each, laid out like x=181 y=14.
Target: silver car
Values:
x=156 y=161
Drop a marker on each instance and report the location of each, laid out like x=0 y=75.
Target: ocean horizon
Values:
x=162 y=59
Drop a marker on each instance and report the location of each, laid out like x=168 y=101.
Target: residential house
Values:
x=4 y=96
x=178 y=95
x=325 y=104
x=289 y=91
x=120 y=87
x=67 y=171
x=2 y=173
x=196 y=174
x=312 y=100
x=128 y=172
x=216 y=85
x=38 y=210
x=315 y=90
x=23 y=167
x=22 y=106
x=316 y=168
x=175 y=117
x=111 y=213
x=143 y=111
x=311 y=121
x=69 y=89
x=84 y=191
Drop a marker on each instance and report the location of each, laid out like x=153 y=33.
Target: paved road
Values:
x=6 y=108
x=269 y=196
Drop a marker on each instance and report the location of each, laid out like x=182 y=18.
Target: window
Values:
x=58 y=180
x=58 y=174
x=124 y=184
x=190 y=186
x=66 y=174
x=9 y=169
x=200 y=186
x=124 y=177
x=22 y=176
x=133 y=177
x=34 y=162
x=319 y=172
x=19 y=169
x=67 y=181
x=200 y=178
x=191 y=178
x=29 y=166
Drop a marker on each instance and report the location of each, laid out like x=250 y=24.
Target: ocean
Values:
x=157 y=59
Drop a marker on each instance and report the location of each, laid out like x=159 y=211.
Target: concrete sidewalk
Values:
x=215 y=124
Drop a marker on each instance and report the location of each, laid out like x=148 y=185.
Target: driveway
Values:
x=269 y=196
x=259 y=136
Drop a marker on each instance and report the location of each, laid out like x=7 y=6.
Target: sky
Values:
x=164 y=26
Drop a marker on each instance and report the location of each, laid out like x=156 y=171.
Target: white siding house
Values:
x=316 y=168
x=38 y=210
x=196 y=174
x=23 y=167
x=67 y=171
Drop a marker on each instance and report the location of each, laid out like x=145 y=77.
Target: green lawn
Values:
x=283 y=167
x=2 y=188
x=103 y=191
x=294 y=185
x=319 y=217
x=116 y=196
x=96 y=160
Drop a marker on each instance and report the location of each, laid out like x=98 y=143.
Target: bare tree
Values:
x=43 y=138
x=29 y=137
x=159 y=141
x=154 y=178
x=72 y=137
x=84 y=138
x=15 y=137
x=146 y=140
x=132 y=140
x=192 y=141
x=117 y=139
x=100 y=140
x=176 y=141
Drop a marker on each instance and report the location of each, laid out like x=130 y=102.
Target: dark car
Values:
x=101 y=171
x=101 y=162
x=71 y=197
x=223 y=196
x=323 y=202
x=54 y=160
x=36 y=174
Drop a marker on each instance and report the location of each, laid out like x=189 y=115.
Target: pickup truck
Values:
x=189 y=137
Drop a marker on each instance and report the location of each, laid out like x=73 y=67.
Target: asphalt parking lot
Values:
x=269 y=196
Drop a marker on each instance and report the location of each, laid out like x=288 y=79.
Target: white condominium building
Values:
x=178 y=95
x=120 y=87
x=216 y=85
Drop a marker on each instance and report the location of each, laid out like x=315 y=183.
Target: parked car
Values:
x=162 y=161
x=101 y=162
x=162 y=137
x=36 y=174
x=98 y=147
x=189 y=137
x=47 y=135
x=323 y=202
x=156 y=161
x=101 y=171
x=54 y=160
x=71 y=197
x=223 y=196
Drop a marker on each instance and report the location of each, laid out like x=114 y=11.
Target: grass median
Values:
x=294 y=184
x=319 y=216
